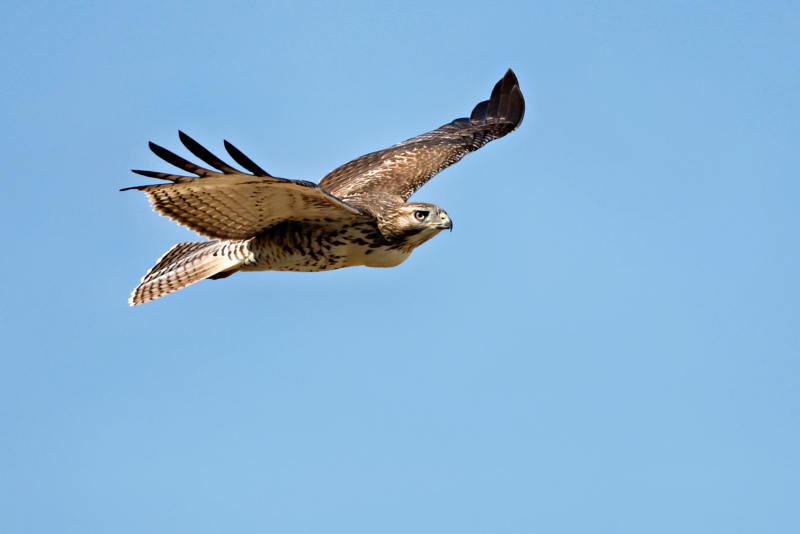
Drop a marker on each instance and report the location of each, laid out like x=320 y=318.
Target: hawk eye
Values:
x=420 y=215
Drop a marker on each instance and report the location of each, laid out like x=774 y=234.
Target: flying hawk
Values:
x=357 y=215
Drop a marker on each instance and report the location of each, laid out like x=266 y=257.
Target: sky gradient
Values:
x=608 y=341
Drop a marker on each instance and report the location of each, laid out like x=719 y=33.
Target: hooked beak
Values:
x=446 y=224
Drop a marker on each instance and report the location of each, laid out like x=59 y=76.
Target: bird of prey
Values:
x=359 y=213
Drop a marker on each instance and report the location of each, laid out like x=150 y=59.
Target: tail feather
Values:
x=183 y=265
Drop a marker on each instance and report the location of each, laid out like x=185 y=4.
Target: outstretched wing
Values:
x=407 y=166
x=233 y=205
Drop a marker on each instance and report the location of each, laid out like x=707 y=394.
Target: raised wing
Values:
x=407 y=166
x=233 y=205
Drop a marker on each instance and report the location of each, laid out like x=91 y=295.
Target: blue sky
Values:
x=607 y=342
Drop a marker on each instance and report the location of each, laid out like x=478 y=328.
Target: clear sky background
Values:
x=608 y=341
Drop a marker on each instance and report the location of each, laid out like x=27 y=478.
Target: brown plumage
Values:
x=357 y=215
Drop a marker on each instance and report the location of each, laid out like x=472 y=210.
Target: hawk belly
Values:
x=302 y=247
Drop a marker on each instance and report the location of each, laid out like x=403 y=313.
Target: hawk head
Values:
x=413 y=223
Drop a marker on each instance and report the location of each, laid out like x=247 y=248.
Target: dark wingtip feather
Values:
x=510 y=83
x=244 y=161
x=507 y=102
x=176 y=160
x=516 y=107
x=511 y=77
x=131 y=188
x=160 y=175
x=502 y=95
x=478 y=115
x=204 y=154
x=493 y=107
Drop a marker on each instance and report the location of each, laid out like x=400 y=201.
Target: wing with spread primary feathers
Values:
x=233 y=205
x=407 y=166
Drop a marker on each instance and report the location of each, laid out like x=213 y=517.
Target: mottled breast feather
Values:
x=233 y=205
x=405 y=167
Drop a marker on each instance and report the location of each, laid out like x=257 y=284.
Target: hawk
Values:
x=358 y=214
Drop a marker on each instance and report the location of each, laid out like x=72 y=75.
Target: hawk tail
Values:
x=187 y=263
